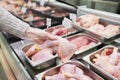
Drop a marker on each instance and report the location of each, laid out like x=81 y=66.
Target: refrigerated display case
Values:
x=20 y=69
x=16 y=69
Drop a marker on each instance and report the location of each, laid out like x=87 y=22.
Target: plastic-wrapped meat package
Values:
x=109 y=61
x=87 y=20
x=69 y=72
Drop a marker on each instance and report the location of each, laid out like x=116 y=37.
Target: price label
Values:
x=29 y=3
x=24 y=9
x=31 y=17
x=34 y=5
x=48 y=22
x=67 y=23
x=73 y=17
x=42 y=2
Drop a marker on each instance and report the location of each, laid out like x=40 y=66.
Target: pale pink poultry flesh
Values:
x=65 y=52
x=60 y=31
x=87 y=20
x=92 y=23
x=106 y=31
x=43 y=55
x=109 y=61
x=42 y=8
x=69 y=72
x=65 y=49
x=83 y=42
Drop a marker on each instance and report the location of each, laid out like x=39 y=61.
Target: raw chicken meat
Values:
x=69 y=72
x=87 y=46
x=60 y=13
x=103 y=62
x=34 y=18
x=37 y=17
x=88 y=20
x=71 y=69
x=84 y=77
x=42 y=8
x=116 y=72
x=109 y=61
x=97 y=28
x=32 y=50
x=60 y=31
x=57 y=12
x=80 y=41
x=78 y=77
x=30 y=16
x=65 y=49
x=43 y=55
x=91 y=22
x=36 y=51
x=106 y=31
x=114 y=56
x=65 y=52
x=111 y=30
x=58 y=46
x=68 y=68
x=12 y=5
x=106 y=52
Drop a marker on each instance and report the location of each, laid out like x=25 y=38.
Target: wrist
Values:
x=31 y=32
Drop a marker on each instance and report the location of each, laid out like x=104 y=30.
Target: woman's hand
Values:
x=38 y=35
